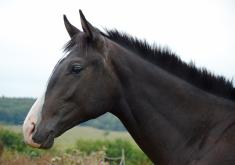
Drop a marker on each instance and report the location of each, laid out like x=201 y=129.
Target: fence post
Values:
x=123 y=157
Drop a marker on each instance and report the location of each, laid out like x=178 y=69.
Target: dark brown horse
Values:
x=178 y=114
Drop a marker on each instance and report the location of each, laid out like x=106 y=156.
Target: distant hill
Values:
x=14 y=110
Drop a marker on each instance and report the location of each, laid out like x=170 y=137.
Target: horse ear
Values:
x=91 y=31
x=72 y=30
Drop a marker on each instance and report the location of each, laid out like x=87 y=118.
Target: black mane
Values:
x=169 y=61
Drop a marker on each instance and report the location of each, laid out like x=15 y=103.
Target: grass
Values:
x=89 y=133
x=80 y=145
x=75 y=158
x=69 y=138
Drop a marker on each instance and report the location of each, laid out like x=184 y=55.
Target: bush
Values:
x=11 y=140
x=14 y=142
x=114 y=148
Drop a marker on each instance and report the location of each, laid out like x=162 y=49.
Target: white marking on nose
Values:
x=32 y=119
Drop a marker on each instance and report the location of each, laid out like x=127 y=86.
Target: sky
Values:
x=32 y=34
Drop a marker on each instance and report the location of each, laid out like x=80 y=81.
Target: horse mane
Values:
x=169 y=61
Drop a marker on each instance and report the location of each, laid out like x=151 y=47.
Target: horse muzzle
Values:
x=34 y=137
x=37 y=139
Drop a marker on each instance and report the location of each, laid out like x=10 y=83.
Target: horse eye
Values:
x=76 y=69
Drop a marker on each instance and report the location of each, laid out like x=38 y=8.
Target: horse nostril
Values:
x=33 y=127
x=31 y=130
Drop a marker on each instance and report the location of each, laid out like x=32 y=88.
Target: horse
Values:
x=177 y=113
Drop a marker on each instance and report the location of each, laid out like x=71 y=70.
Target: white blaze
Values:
x=33 y=117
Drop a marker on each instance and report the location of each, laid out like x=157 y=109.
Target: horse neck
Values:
x=162 y=112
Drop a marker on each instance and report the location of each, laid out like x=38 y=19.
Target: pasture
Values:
x=80 y=145
x=69 y=138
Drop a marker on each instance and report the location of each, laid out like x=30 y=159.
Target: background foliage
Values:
x=84 y=151
x=79 y=145
x=14 y=110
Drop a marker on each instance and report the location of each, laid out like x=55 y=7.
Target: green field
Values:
x=69 y=138
x=86 y=145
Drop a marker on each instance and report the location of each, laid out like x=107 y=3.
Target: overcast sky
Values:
x=32 y=34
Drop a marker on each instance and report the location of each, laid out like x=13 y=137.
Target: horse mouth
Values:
x=48 y=143
x=38 y=142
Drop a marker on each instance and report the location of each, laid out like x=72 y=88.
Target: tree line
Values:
x=14 y=111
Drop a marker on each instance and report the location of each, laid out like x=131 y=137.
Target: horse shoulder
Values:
x=223 y=152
